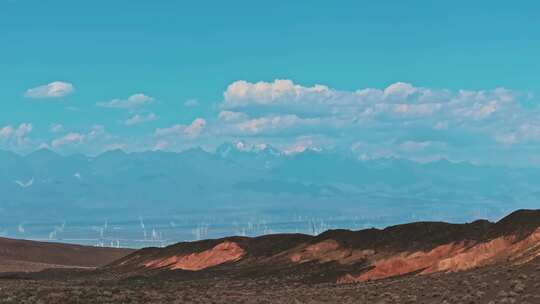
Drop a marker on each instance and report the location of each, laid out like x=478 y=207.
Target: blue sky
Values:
x=69 y=68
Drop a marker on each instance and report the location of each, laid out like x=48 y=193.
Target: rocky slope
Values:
x=342 y=256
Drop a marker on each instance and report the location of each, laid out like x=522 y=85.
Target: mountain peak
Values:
x=43 y=154
x=116 y=152
x=228 y=148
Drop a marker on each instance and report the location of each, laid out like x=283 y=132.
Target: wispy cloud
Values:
x=56 y=128
x=140 y=118
x=96 y=137
x=132 y=102
x=179 y=130
x=195 y=128
x=70 y=138
x=55 y=89
x=6 y=132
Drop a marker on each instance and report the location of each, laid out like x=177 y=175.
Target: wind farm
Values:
x=295 y=152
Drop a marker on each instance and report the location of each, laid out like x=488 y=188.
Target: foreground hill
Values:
x=426 y=262
x=30 y=256
x=343 y=256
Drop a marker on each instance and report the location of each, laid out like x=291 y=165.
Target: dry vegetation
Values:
x=495 y=284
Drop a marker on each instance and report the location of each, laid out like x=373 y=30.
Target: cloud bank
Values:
x=400 y=120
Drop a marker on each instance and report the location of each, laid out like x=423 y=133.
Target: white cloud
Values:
x=230 y=116
x=139 y=119
x=401 y=119
x=56 y=128
x=6 y=132
x=241 y=93
x=16 y=133
x=272 y=124
x=399 y=91
x=19 y=132
x=94 y=139
x=526 y=132
x=397 y=100
x=399 y=103
x=170 y=131
x=188 y=131
x=132 y=102
x=413 y=146
x=55 y=89
x=16 y=137
x=96 y=131
x=195 y=128
x=70 y=138
x=191 y=103
x=161 y=145
x=23 y=130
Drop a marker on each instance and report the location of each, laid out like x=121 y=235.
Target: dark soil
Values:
x=495 y=284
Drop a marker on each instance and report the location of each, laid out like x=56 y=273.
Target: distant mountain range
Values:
x=115 y=184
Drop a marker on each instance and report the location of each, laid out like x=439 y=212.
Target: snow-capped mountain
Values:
x=238 y=176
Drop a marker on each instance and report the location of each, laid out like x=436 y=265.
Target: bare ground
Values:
x=494 y=284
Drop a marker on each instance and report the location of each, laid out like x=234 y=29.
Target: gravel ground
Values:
x=496 y=284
